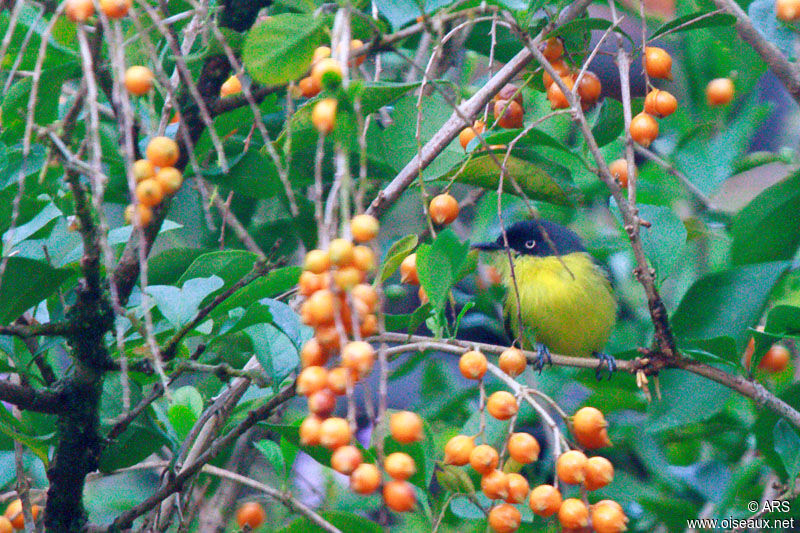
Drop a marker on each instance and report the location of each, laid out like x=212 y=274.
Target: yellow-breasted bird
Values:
x=567 y=299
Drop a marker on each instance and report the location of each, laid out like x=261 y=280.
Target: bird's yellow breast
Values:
x=571 y=310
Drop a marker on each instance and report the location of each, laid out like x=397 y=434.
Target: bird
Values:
x=568 y=303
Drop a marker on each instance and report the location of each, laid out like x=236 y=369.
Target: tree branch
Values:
x=30 y=399
x=50 y=329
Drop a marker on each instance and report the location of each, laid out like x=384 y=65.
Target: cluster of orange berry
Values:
x=156 y=177
x=81 y=10
x=13 y=519
x=508 y=107
x=589 y=86
x=572 y=467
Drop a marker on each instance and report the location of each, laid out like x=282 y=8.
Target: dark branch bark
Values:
x=30 y=399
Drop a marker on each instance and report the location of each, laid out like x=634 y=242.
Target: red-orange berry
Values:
x=399 y=496
x=523 y=448
x=483 y=458
x=149 y=193
x=608 y=517
x=573 y=514
x=776 y=359
x=312 y=379
x=346 y=459
x=308 y=87
x=657 y=63
x=473 y=364
x=571 y=467
x=495 y=485
x=504 y=518
x=545 y=500
x=231 y=86
x=162 y=152
x=364 y=227
x=589 y=426
x=322 y=403
x=327 y=72
x=365 y=479
x=619 y=171
x=399 y=466
x=599 y=473
x=170 y=179
x=312 y=354
x=589 y=89
x=408 y=270
x=660 y=103
x=502 y=405
x=250 y=514
x=406 y=427
x=115 y=9
x=508 y=114
x=467 y=134
x=310 y=431
x=719 y=91
x=334 y=433
x=557 y=98
x=323 y=115
x=553 y=48
x=79 y=10
x=518 y=488
x=443 y=209
x=317 y=261
x=561 y=68
x=458 y=449
x=644 y=129
x=787 y=10
x=512 y=362
x=359 y=357
x=145 y=215
x=138 y=80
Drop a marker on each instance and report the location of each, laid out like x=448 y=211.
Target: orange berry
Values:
x=512 y=362
x=334 y=433
x=162 y=152
x=561 y=68
x=322 y=402
x=317 y=261
x=323 y=116
x=319 y=308
x=399 y=496
x=473 y=364
x=573 y=514
x=408 y=270
x=619 y=171
x=458 y=449
x=145 y=215
x=467 y=134
x=660 y=103
x=502 y=405
x=231 y=86
x=518 y=488
x=346 y=459
x=443 y=209
x=483 y=458
x=367 y=295
x=719 y=91
x=557 y=98
x=571 y=467
x=143 y=169
x=337 y=380
x=310 y=430
x=644 y=129
x=776 y=359
x=787 y=10
x=327 y=72
x=312 y=354
x=250 y=514
x=358 y=356
x=495 y=485
x=348 y=277
x=311 y=380
x=368 y=326
x=399 y=466
x=138 y=80
x=341 y=252
x=553 y=48
x=406 y=427
x=509 y=114
x=608 y=517
x=321 y=52
x=308 y=87
x=545 y=500
x=504 y=518
x=149 y=192
x=5 y=525
x=78 y=11
x=509 y=92
x=423 y=296
x=355 y=44
x=365 y=479
x=115 y=9
x=170 y=179
x=364 y=258
x=364 y=227
x=589 y=426
x=590 y=88
x=14 y=513
x=309 y=283
x=657 y=63
x=523 y=448
x=328 y=337
x=599 y=473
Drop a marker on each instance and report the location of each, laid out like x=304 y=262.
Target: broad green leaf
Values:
x=538 y=177
x=26 y=283
x=272 y=451
x=182 y=419
x=674 y=411
x=11 y=427
x=190 y=397
x=397 y=252
x=766 y=229
x=787 y=445
x=764 y=429
x=279 y=49
x=165 y=268
x=439 y=264
x=276 y=353
x=342 y=520
x=230 y=265
x=708 y=21
x=719 y=349
x=276 y=282
x=610 y=122
x=253 y=175
x=583 y=25
x=23 y=231
x=726 y=303
x=401 y=12
x=179 y=306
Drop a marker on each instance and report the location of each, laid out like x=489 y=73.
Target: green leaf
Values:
x=718 y=19
x=280 y=48
x=584 y=25
x=252 y=174
x=401 y=12
x=276 y=353
x=272 y=451
x=787 y=445
x=718 y=349
x=707 y=398
x=538 y=177
x=342 y=520
x=182 y=419
x=11 y=427
x=26 y=283
x=726 y=303
x=276 y=282
x=397 y=252
x=766 y=229
x=439 y=264
x=179 y=306
x=190 y=397
x=764 y=429
x=610 y=122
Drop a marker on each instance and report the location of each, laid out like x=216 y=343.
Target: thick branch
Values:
x=50 y=329
x=30 y=399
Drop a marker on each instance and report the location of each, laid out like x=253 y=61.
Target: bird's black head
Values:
x=528 y=238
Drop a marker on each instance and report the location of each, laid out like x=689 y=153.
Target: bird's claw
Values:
x=610 y=364
x=542 y=357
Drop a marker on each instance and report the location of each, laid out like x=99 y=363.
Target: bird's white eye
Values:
x=530 y=244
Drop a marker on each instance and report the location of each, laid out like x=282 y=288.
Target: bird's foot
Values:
x=542 y=357
x=610 y=364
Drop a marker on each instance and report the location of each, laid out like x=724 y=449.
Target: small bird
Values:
x=567 y=300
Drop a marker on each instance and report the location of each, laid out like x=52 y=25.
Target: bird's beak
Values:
x=487 y=246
